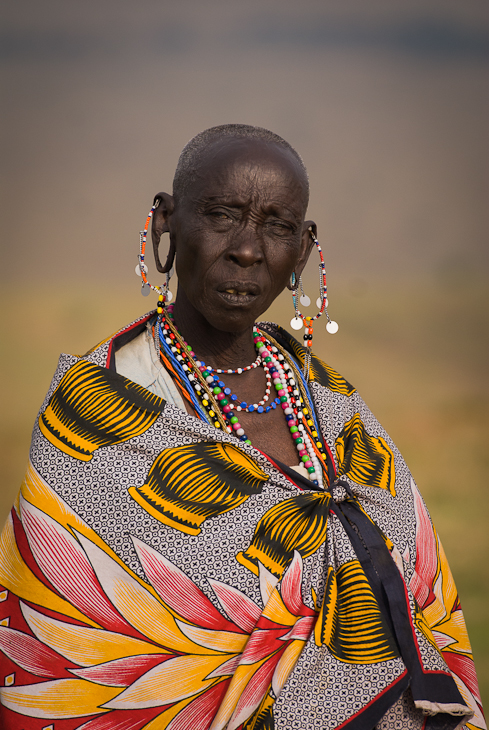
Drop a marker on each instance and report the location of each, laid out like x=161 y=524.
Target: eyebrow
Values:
x=232 y=201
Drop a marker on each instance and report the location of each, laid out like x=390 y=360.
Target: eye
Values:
x=280 y=227
x=219 y=215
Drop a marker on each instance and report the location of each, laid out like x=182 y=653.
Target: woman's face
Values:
x=239 y=232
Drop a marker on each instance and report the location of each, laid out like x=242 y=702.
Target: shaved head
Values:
x=196 y=150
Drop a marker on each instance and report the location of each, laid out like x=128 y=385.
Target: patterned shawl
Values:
x=156 y=573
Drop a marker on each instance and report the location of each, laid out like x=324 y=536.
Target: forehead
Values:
x=251 y=168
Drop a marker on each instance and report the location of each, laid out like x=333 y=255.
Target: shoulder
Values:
x=320 y=372
x=104 y=352
x=89 y=404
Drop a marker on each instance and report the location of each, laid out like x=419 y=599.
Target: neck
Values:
x=219 y=349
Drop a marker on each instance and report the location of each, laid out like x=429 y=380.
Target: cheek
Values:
x=281 y=264
x=190 y=247
x=196 y=257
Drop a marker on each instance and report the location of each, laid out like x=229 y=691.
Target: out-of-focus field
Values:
x=418 y=354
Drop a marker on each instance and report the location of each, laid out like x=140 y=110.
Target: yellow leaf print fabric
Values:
x=156 y=574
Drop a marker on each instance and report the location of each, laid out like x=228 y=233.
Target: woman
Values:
x=214 y=531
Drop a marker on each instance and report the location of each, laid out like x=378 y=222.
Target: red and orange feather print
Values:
x=440 y=615
x=155 y=574
x=87 y=639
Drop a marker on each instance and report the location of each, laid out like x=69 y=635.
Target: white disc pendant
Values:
x=145 y=290
x=138 y=269
x=168 y=296
x=304 y=300
x=296 y=323
x=332 y=327
x=319 y=303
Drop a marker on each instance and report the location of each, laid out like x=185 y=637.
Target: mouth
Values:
x=239 y=292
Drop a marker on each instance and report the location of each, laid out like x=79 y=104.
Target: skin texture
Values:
x=240 y=226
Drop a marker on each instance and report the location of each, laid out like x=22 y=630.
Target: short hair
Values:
x=194 y=151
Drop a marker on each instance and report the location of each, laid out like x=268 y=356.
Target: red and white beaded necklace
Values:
x=221 y=406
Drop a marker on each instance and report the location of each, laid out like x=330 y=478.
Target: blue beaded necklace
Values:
x=218 y=387
x=220 y=404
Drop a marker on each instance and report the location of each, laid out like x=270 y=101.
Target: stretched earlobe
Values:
x=170 y=258
x=165 y=207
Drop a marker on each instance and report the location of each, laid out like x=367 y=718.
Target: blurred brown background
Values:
x=388 y=104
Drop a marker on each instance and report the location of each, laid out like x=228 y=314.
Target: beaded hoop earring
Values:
x=300 y=319
x=164 y=292
x=322 y=302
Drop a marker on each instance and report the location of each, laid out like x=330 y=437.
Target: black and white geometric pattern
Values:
x=322 y=692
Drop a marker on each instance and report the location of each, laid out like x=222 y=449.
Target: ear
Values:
x=160 y=226
x=307 y=244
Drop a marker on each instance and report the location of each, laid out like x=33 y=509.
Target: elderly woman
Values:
x=214 y=531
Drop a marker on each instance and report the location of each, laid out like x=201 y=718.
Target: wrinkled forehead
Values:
x=249 y=167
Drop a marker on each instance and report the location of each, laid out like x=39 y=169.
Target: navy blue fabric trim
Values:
x=368 y=717
x=390 y=592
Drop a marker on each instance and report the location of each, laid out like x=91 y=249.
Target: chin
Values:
x=231 y=321
x=230 y=317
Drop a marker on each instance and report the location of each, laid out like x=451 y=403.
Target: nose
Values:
x=246 y=248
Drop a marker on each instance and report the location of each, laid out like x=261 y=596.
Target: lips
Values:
x=239 y=292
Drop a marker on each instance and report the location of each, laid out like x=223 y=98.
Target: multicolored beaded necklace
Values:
x=216 y=404
x=218 y=387
x=238 y=371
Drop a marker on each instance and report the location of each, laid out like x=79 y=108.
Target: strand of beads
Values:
x=182 y=354
x=220 y=405
x=229 y=409
x=238 y=371
x=228 y=400
x=300 y=435
x=303 y=410
x=309 y=421
x=194 y=375
x=208 y=388
x=306 y=415
x=290 y=401
x=218 y=388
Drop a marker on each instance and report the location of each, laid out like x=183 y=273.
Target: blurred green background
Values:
x=388 y=104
